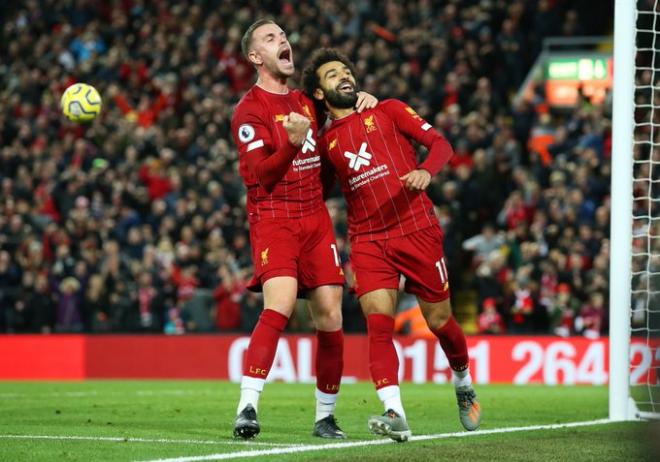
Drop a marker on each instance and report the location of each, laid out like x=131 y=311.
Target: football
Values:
x=81 y=103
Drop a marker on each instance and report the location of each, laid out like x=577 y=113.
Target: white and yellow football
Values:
x=81 y=103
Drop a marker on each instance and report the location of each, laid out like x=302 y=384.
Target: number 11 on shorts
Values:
x=442 y=269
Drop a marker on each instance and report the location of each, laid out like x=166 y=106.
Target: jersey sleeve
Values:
x=411 y=125
x=328 y=173
x=255 y=146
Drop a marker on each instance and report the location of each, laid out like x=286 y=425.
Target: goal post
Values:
x=621 y=209
x=634 y=379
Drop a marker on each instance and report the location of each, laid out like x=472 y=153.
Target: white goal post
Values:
x=636 y=46
x=623 y=94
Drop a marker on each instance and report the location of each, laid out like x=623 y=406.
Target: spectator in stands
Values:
x=228 y=295
x=196 y=311
x=489 y=320
x=562 y=311
x=69 y=317
x=94 y=306
x=149 y=196
x=483 y=244
x=174 y=325
x=591 y=319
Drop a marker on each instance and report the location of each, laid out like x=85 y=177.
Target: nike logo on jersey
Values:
x=362 y=158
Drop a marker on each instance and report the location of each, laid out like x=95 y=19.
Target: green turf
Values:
x=647 y=397
x=204 y=410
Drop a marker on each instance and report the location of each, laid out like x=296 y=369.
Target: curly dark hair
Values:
x=319 y=58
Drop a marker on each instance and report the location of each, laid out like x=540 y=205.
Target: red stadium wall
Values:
x=520 y=360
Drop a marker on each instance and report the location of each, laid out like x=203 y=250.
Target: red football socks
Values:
x=452 y=340
x=329 y=360
x=383 y=360
x=263 y=344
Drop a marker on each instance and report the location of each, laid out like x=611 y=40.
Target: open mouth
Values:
x=285 y=56
x=346 y=87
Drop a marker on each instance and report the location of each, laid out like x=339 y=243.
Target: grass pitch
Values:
x=190 y=421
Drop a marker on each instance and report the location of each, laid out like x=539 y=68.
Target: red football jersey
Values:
x=258 y=132
x=368 y=153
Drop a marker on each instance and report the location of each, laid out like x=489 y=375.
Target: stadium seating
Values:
x=137 y=222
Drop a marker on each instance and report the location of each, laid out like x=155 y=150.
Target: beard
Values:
x=341 y=100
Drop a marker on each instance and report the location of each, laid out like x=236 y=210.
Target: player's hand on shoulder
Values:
x=365 y=101
x=296 y=126
x=417 y=180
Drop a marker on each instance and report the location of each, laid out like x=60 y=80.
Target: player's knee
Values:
x=374 y=308
x=280 y=294
x=329 y=319
x=439 y=319
x=436 y=314
x=282 y=303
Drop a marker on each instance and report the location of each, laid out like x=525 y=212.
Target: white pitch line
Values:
x=82 y=394
x=319 y=447
x=121 y=439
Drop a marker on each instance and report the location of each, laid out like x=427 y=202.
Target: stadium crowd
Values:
x=136 y=223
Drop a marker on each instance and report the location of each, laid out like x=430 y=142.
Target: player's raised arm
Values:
x=254 y=145
x=414 y=127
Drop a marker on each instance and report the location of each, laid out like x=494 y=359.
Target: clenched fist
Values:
x=296 y=126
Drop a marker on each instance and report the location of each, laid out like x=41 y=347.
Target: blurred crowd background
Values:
x=136 y=223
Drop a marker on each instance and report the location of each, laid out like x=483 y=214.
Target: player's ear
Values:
x=255 y=58
x=318 y=94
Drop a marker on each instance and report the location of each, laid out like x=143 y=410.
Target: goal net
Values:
x=635 y=245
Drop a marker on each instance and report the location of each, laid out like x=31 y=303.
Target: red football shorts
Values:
x=303 y=248
x=417 y=256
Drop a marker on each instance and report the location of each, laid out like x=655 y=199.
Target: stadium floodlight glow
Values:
x=635 y=214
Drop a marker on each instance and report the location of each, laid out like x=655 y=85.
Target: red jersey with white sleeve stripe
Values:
x=282 y=180
x=368 y=153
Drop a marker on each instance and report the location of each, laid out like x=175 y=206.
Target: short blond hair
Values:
x=246 y=41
